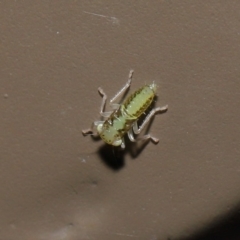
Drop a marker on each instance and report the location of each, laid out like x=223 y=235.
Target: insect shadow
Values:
x=113 y=157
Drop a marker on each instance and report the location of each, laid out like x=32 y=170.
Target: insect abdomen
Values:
x=140 y=100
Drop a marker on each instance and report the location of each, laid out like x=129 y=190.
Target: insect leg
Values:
x=138 y=130
x=90 y=130
x=148 y=118
x=124 y=88
x=143 y=138
x=115 y=106
x=130 y=136
x=104 y=96
x=123 y=144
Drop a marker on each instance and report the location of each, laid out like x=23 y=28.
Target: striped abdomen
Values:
x=139 y=101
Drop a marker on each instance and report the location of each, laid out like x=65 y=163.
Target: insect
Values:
x=124 y=117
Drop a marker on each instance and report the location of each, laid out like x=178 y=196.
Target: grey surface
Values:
x=56 y=184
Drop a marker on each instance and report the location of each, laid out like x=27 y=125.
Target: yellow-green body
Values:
x=121 y=120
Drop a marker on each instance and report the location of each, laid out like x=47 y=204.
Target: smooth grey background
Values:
x=57 y=184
